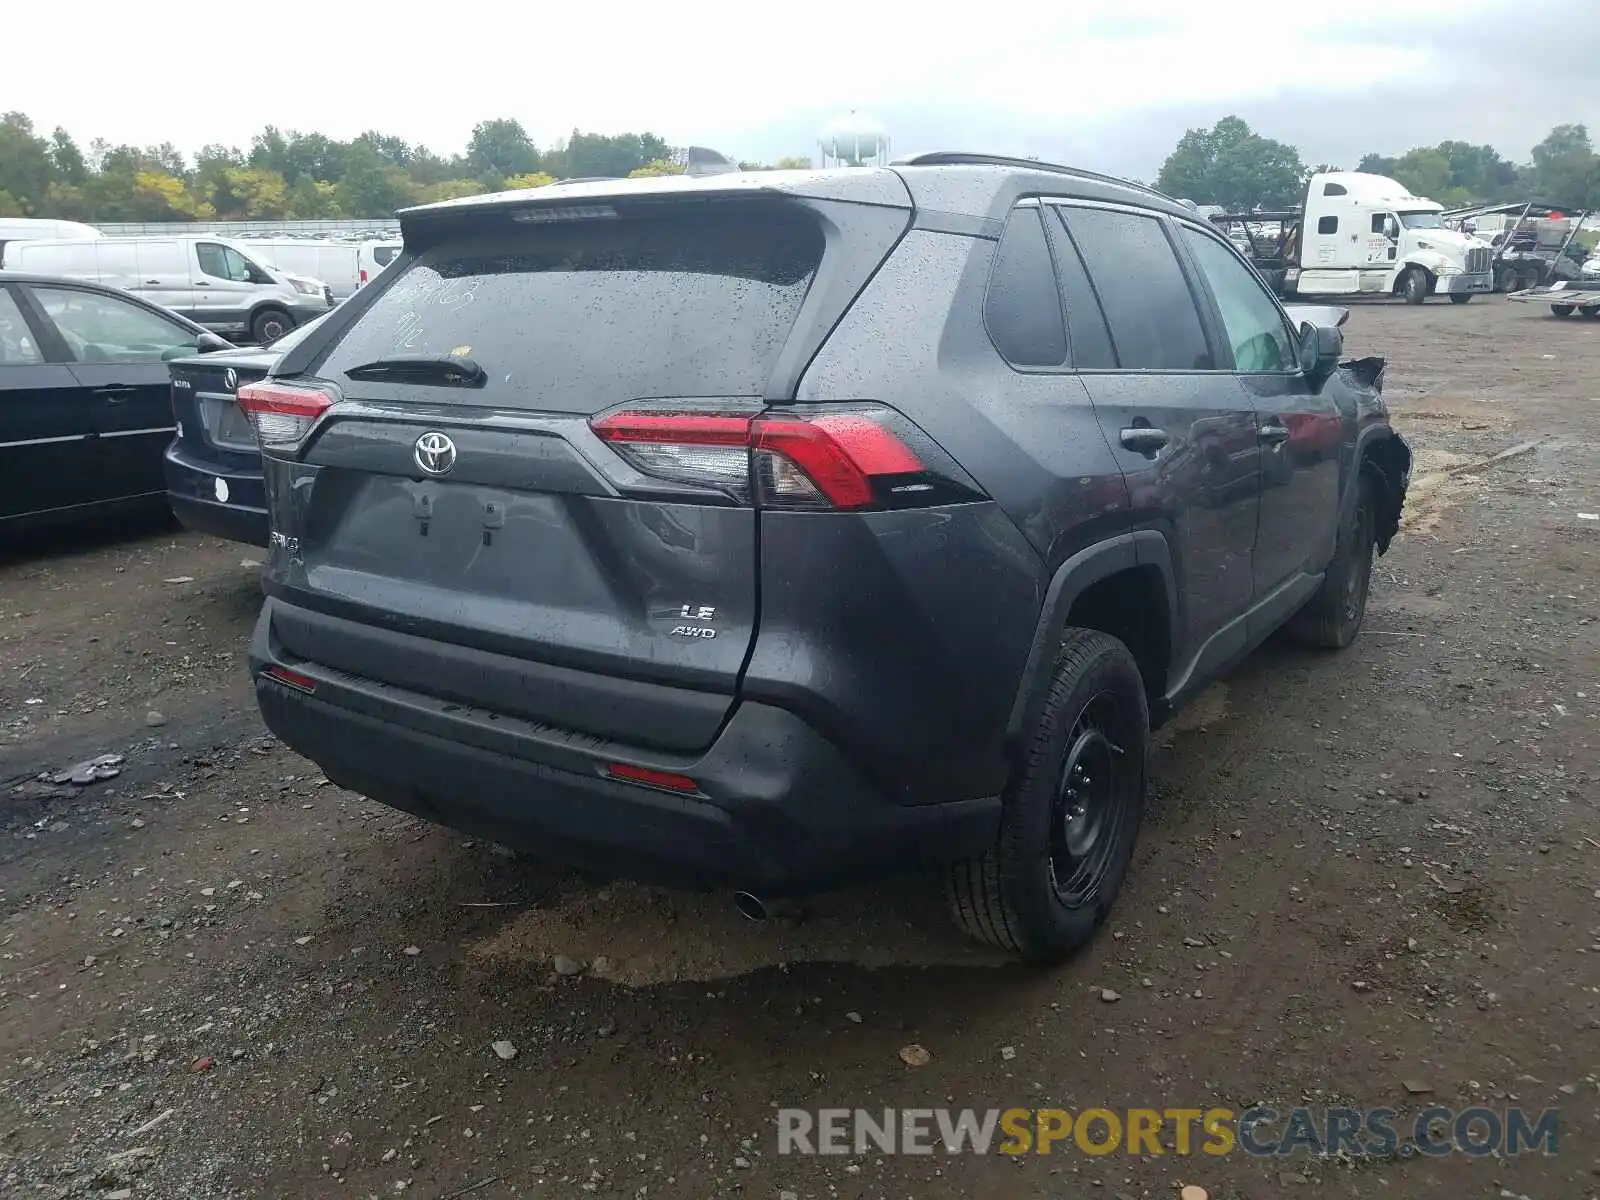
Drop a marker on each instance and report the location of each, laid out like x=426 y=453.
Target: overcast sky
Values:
x=1041 y=77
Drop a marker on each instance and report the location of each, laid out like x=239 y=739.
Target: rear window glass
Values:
x=576 y=315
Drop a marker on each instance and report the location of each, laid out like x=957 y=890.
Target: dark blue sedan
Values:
x=213 y=465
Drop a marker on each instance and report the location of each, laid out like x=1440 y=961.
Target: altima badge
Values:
x=435 y=454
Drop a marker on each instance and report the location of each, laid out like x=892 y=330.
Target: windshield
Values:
x=256 y=259
x=1421 y=220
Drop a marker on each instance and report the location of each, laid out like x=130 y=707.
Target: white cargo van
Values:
x=32 y=229
x=335 y=263
x=212 y=281
x=373 y=258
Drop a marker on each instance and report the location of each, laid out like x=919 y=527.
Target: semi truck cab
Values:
x=1366 y=234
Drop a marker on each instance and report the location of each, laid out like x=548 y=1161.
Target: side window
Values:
x=1378 y=220
x=1252 y=319
x=223 y=262
x=1022 y=309
x=101 y=328
x=1154 y=323
x=1328 y=225
x=1086 y=322
x=1334 y=189
x=17 y=346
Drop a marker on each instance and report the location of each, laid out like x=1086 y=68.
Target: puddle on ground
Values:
x=640 y=936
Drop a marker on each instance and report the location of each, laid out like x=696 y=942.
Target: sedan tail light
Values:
x=859 y=456
x=282 y=414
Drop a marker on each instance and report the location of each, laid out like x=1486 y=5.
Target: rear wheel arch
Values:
x=1124 y=586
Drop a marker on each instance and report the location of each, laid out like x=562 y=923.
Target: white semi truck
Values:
x=1361 y=234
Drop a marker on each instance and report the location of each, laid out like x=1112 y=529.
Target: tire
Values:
x=1332 y=617
x=1589 y=310
x=1047 y=884
x=1460 y=297
x=1563 y=310
x=269 y=325
x=1414 y=285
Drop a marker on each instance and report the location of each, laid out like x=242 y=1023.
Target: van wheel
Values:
x=1415 y=286
x=1070 y=813
x=269 y=325
x=1460 y=297
x=1332 y=617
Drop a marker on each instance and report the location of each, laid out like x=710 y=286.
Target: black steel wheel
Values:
x=1071 y=814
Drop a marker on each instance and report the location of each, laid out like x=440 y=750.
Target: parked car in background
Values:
x=85 y=412
x=374 y=257
x=32 y=229
x=989 y=466
x=335 y=263
x=212 y=281
x=213 y=464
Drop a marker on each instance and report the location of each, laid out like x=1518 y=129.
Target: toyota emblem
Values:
x=230 y=379
x=435 y=453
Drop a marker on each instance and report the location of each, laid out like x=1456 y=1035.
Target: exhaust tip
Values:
x=750 y=906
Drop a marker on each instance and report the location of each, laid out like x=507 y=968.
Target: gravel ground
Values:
x=1368 y=879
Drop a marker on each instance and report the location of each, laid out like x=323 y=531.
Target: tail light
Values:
x=650 y=777
x=860 y=456
x=282 y=414
x=293 y=679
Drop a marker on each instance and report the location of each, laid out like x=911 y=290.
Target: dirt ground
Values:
x=1368 y=879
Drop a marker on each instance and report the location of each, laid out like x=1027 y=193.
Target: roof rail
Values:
x=961 y=158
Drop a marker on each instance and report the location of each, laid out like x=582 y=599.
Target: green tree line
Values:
x=1233 y=166
x=285 y=175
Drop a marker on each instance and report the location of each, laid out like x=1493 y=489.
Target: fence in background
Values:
x=237 y=229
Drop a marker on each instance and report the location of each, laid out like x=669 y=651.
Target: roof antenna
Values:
x=699 y=160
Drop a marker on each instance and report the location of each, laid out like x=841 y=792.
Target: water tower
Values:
x=854 y=140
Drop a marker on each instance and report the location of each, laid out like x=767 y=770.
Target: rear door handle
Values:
x=1142 y=439
x=152 y=282
x=115 y=393
x=201 y=283
x=1273 y=434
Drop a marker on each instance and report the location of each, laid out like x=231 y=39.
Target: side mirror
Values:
x=1320 y=348
x=1391 y=228
x=211 y=342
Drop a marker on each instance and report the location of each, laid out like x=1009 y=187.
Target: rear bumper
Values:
x=194 y=493
x=780 y=808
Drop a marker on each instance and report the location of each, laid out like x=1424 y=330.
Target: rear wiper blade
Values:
x=452 y=369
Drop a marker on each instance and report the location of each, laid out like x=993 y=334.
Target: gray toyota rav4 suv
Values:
x=770 y=531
